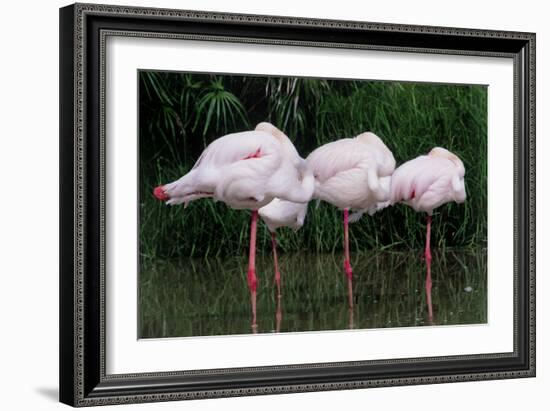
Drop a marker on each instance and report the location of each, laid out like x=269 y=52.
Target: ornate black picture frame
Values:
x=83 y=30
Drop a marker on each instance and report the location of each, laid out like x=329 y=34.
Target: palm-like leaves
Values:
x=220 y=108
x=180 y=113
x=293 y=101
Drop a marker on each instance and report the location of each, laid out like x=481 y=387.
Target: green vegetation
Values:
x=193 y=260
x=181 y=113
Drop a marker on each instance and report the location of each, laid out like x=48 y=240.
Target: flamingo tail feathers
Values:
x=356 y=216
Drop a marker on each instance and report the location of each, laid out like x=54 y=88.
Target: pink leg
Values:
x=347 y=264
x=428 y=255
x=252 y=280
x=276 y=262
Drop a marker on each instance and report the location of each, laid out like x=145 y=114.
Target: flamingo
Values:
x=282 y=213
x=352 y=173
x=424 y=184
x=245 y=170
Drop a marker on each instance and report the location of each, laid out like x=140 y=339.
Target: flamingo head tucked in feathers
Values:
x=444 y=153
x=384 y=156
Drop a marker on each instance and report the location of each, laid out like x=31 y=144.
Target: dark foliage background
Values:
x=181 y=113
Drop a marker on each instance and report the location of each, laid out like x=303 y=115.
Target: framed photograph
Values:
x=261 y=204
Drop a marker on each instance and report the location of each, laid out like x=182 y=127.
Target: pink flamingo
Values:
x=245 y=170
x=352 y=173
x=424 y=184
x=281 y=213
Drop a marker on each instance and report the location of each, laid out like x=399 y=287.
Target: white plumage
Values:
x=353 y=173
x=245 y=170
x=283 y=213
x=424 y=184
x=280 y=213
x=429 y=181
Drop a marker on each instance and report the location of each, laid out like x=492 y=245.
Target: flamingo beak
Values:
x=159 y=193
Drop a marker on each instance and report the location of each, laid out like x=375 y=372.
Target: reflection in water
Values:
x=350 y=318
x=428 y=257
x=278 y=314
x=279 y=317
x=196 y=297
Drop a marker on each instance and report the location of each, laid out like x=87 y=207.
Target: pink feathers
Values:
x=261 y=170
x=352 y=173
x=245 y=170
x=349 y=172
x=429 y=181
x=425 y=183
x=256 y=154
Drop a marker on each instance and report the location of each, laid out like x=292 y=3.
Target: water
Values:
x=200 y=297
